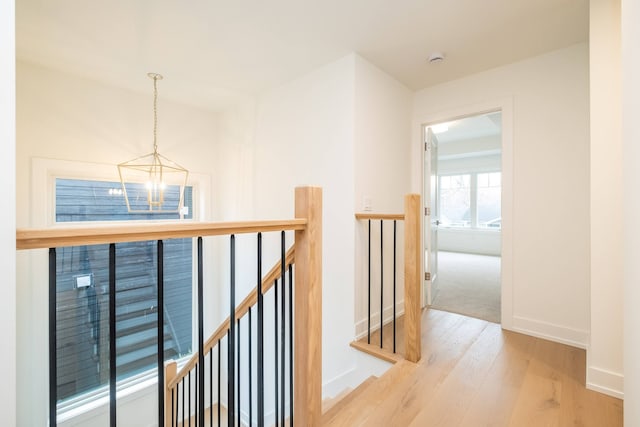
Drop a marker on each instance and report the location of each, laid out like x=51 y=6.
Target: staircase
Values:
x=359 y=406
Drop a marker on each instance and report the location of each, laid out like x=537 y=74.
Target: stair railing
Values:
x=180 y=411
x=412 y=282
x=305 y=312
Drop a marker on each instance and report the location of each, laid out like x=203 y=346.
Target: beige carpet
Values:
x=469 y=284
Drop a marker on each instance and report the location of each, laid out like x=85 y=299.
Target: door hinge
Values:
x=426 y=146
x=427 y=211
x=427 y=275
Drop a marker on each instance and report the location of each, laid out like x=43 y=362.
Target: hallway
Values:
x=472 y=373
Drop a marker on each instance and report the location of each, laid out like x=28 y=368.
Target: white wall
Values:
x=8 y=215
x=60 y=116
x=235 y=138
x=484 y=145
x=604 y=355
x=550 y=95
x=490 y=163
x=478 y=241
x=631 y=206
x=304 y=136
x=345 y=128
x=382 y=136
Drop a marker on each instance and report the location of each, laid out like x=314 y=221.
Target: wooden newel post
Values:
x=412 y=254
x=170 y=372
x=307 y=347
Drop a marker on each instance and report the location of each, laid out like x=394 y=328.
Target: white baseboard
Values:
x=607 y=382
x=339 y=383
x=361 y=325
x=364 y=367
x=552 y=332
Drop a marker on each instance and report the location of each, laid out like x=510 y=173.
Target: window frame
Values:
x=44 y=173
x=473 y=199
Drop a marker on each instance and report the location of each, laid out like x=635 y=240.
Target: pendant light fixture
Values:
x=153 y=183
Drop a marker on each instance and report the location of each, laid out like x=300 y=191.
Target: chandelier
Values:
x=153 y=183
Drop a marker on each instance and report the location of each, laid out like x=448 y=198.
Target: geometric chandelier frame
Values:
x=153 y=183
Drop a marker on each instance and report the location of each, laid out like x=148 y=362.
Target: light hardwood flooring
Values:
x=472 y=373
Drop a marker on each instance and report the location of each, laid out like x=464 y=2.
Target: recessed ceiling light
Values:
x=436 y=57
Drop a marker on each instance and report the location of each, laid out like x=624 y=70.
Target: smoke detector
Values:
x=436 y=57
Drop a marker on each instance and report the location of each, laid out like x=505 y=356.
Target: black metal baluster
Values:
x=200 y=377
x=369 y=290
x=219 y=375
x=53 y=342
x=189 y=399
x=381 y=281
x=260 y=337
x=394 y=285
x=275 y=348
x=231 y=347
x=172 y=403
x=182 y=381
x=290 y=345
x=283 y=272
x=239 y=384
x=112 y=335
x=250 y=372
x=195 y=400
x=211 y=387
x=160 y=330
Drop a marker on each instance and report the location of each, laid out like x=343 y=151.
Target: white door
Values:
x=432 y=216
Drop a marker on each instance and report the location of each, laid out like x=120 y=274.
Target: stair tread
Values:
x=329 y=402
x=341 y=400
x=358 y=409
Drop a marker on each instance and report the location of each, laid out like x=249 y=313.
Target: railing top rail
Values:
x=104 y=234
x=371 y=215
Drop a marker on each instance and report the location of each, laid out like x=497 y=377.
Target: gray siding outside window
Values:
x=82 y=292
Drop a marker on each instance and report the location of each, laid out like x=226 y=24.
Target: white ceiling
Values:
x=213 y=52
x=464 y=129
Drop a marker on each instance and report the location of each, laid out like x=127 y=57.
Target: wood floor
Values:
x=472 y=373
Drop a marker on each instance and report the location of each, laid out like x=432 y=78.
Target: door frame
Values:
x=428 y=289
x=505 y=105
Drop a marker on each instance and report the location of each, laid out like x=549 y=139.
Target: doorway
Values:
x=463 y=215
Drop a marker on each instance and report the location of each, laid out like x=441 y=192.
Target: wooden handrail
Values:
x=369 y=215
x=104 y=234
x=241 y=310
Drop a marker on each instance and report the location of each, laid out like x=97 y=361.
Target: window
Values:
x=82 y=294
x=455 y=200
x=489 y=187
x=471 y=200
